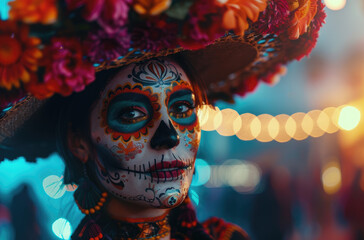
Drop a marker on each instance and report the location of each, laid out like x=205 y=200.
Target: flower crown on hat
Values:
x=55 y=46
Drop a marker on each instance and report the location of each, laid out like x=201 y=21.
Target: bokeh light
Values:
x=335 y=4
x=241 y=175
x=349 y=118
x=264 y=135
x=202 y=173
x=62 y=228
x=320 y=121
x=214 y=119
x=331 y=177
x=245 y=132
x=283 y=135
x=54 y=187
x=231 y=122
x=300 y=133
x=333 y=114
x=203 y=114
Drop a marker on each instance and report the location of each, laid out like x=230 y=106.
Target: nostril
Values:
x=164 y=137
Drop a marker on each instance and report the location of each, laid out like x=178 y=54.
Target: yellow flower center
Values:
x=10 y=50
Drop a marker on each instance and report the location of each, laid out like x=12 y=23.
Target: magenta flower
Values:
x=155 y=35
x=110 y=14
x=103 y=46
x=66 y=69
x=274 y=19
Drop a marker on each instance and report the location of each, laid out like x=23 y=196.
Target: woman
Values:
x=130 y=138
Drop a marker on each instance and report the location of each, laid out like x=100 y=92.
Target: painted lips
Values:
x=167 y=170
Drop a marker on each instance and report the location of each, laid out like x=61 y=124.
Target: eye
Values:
x=133 y=114
x=181 y=109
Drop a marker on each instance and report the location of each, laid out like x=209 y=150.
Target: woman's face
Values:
x=146 y=133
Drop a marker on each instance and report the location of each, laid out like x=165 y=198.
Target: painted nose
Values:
x=164 y=137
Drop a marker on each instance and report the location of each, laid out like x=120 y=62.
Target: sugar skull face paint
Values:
x=145 y=133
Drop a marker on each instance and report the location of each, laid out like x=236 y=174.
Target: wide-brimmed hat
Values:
x=55 y=47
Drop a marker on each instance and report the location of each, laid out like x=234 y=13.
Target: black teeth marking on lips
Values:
x=145 y=176
x=149 y=168
x=140 y=171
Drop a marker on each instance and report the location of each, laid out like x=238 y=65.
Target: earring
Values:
x=88 y=196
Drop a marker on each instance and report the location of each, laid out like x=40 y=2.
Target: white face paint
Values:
x=146 y=134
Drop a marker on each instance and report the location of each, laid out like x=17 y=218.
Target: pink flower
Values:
x=110 y=14
x=103 y=46
x=204 y=25
x=66 y=70
x=274 y=19
x=155 y=35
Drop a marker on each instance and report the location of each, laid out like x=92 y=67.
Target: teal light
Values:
x=62 y=228
x=202 y=173
x=194 y=196
x=4 y=9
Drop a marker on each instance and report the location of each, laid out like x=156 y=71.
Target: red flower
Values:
x=249 y=85
x=103 y=46
x=65 y=69
x=110 y=14
x=155 y=35
x=204 y=25
x=274 y=19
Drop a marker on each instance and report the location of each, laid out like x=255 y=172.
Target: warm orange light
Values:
x=231 y=122
x=214 y=119
x=203 y=114
x=349 y=118
x=331 y=178
x=245 y=132
x=283 y=135
x=307 y=124
x=335 y=4
x=255 y=127
x=333 y=115
x=273 y=128
x=318 y=118
x=264 y=135
x=299 y=134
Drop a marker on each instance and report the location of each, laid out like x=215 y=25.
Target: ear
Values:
x=78 y=146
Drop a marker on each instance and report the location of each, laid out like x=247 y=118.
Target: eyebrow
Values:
x=181 y=93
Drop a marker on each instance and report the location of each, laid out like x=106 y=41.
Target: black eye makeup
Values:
x=129 y=112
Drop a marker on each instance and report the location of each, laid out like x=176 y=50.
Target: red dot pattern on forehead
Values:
x=129 y=88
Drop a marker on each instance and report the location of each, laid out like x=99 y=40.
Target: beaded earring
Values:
x=89 y=198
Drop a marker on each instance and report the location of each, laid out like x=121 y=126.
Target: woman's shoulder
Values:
x=222 y=230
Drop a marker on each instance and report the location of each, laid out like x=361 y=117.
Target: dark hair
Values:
x=75 y=114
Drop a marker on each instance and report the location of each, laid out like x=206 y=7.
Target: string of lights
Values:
x=280 y=128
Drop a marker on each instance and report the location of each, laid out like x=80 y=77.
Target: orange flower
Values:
x=151 y=7
x=19 y=54
x=302 y=18
x=239 y=11
x=33 y=11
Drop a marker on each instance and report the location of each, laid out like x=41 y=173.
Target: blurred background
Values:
x=286 y=163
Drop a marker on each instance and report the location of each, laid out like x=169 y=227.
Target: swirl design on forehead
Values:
x=175 y=87
x=129 y=88
x=155 y=73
